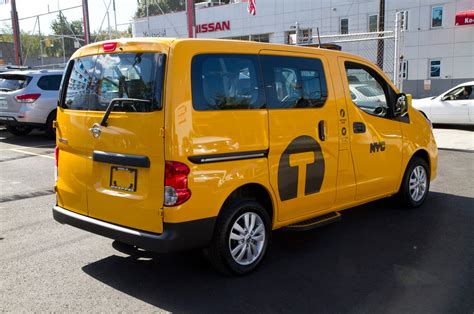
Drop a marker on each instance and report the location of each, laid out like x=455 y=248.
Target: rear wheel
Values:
x=416 y=183
x=241 y=238
x=49 y=127
x=19 y=130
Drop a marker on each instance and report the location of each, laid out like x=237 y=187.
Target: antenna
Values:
x=319 y=38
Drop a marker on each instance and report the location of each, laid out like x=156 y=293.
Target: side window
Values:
x=368 y=90
x=226 y=82
x=292 y=82
x=460 y=93
x=79 y=85
x=49 y=82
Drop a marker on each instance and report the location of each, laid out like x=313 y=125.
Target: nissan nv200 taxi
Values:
x=173 y=144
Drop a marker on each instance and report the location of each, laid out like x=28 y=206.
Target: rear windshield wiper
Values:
x=116 y=101
x=5 y=89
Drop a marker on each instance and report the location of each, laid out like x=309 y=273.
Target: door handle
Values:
x=359 y=127
x=322 y=134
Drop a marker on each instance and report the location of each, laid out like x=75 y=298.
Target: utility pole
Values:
x=40 y=39
x=380 y=43
x=191 y=14
x=115 y=16
x=16 y=33
x=85 y=16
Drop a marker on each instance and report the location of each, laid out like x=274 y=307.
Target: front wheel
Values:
x=241 y=238
x=416 y=183
x=19 y=130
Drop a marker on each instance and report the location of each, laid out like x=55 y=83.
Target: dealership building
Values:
x=438 y=35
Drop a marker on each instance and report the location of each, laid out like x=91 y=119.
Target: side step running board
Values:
x=314 y=222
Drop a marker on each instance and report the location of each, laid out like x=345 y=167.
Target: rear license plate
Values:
x=124 y=179
x=3 y=104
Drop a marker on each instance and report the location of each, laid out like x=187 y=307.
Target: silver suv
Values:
x=28 y=100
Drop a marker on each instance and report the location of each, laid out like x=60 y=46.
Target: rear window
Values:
x=92 y=82
x=49 y=82
x=9 y=82
x=226 y=82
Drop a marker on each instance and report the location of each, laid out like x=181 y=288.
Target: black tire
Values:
x=19 y=130
x=405 y=195
x=219 y=252
x=48 y=128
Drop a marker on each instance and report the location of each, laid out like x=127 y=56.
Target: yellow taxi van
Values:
x=172 y=144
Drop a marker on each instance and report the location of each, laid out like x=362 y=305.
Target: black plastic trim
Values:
x=121 y=159
x=205 y=159
x=175 y=236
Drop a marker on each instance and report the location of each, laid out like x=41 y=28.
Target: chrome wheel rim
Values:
x=247 y=238
x=418 y=183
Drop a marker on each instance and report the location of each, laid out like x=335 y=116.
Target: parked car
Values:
x=368 y=97
x=455 y=106
x=166 y=145
x=28 y=100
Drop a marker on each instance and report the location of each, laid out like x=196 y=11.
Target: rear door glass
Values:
x=95 y=81
x=9 y=82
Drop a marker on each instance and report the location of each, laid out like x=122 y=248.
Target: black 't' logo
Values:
x=288 y=174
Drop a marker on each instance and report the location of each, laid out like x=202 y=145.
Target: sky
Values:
x=125 y=9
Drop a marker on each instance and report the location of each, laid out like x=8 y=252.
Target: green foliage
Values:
x=61 y=26
x=168 y=6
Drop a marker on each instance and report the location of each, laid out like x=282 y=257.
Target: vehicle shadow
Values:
x=35 y=139
x=378 y=258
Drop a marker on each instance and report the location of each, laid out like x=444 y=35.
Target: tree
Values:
x=73 y=32
x=168 y=6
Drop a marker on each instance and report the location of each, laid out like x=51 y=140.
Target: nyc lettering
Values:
x=377 y=146
x=213 y=27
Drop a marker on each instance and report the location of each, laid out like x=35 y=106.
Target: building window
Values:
x=435 y=68
x=373 y=23
x=404 y=19
x=262 y=38
x=436 y=16
x=344 y=26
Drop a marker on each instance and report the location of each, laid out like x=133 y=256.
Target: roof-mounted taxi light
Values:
x=109 y=47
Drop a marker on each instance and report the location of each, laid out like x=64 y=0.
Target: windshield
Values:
x=94 y=81
x=10 y=82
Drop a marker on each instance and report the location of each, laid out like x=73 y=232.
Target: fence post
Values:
x=395 y=53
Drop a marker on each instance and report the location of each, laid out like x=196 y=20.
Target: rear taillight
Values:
x=27 y=97
x=176 y=183
x=56 y=156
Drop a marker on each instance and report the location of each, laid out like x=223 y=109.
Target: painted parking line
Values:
x=38 y=146
x=31 y=153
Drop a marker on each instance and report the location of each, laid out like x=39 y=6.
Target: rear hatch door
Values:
x=10 y=86
x=127 y=167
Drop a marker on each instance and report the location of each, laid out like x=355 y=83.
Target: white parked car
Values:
x=369 y=98
x=456 y=106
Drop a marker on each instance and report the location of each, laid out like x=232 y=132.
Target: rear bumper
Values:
x=175 y=236
x=13 y=121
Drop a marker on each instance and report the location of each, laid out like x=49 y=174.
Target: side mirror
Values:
x=401 y=104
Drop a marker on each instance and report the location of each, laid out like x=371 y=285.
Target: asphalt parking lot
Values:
x=378 y=258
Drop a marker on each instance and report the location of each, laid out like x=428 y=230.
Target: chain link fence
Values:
x=383 y=48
